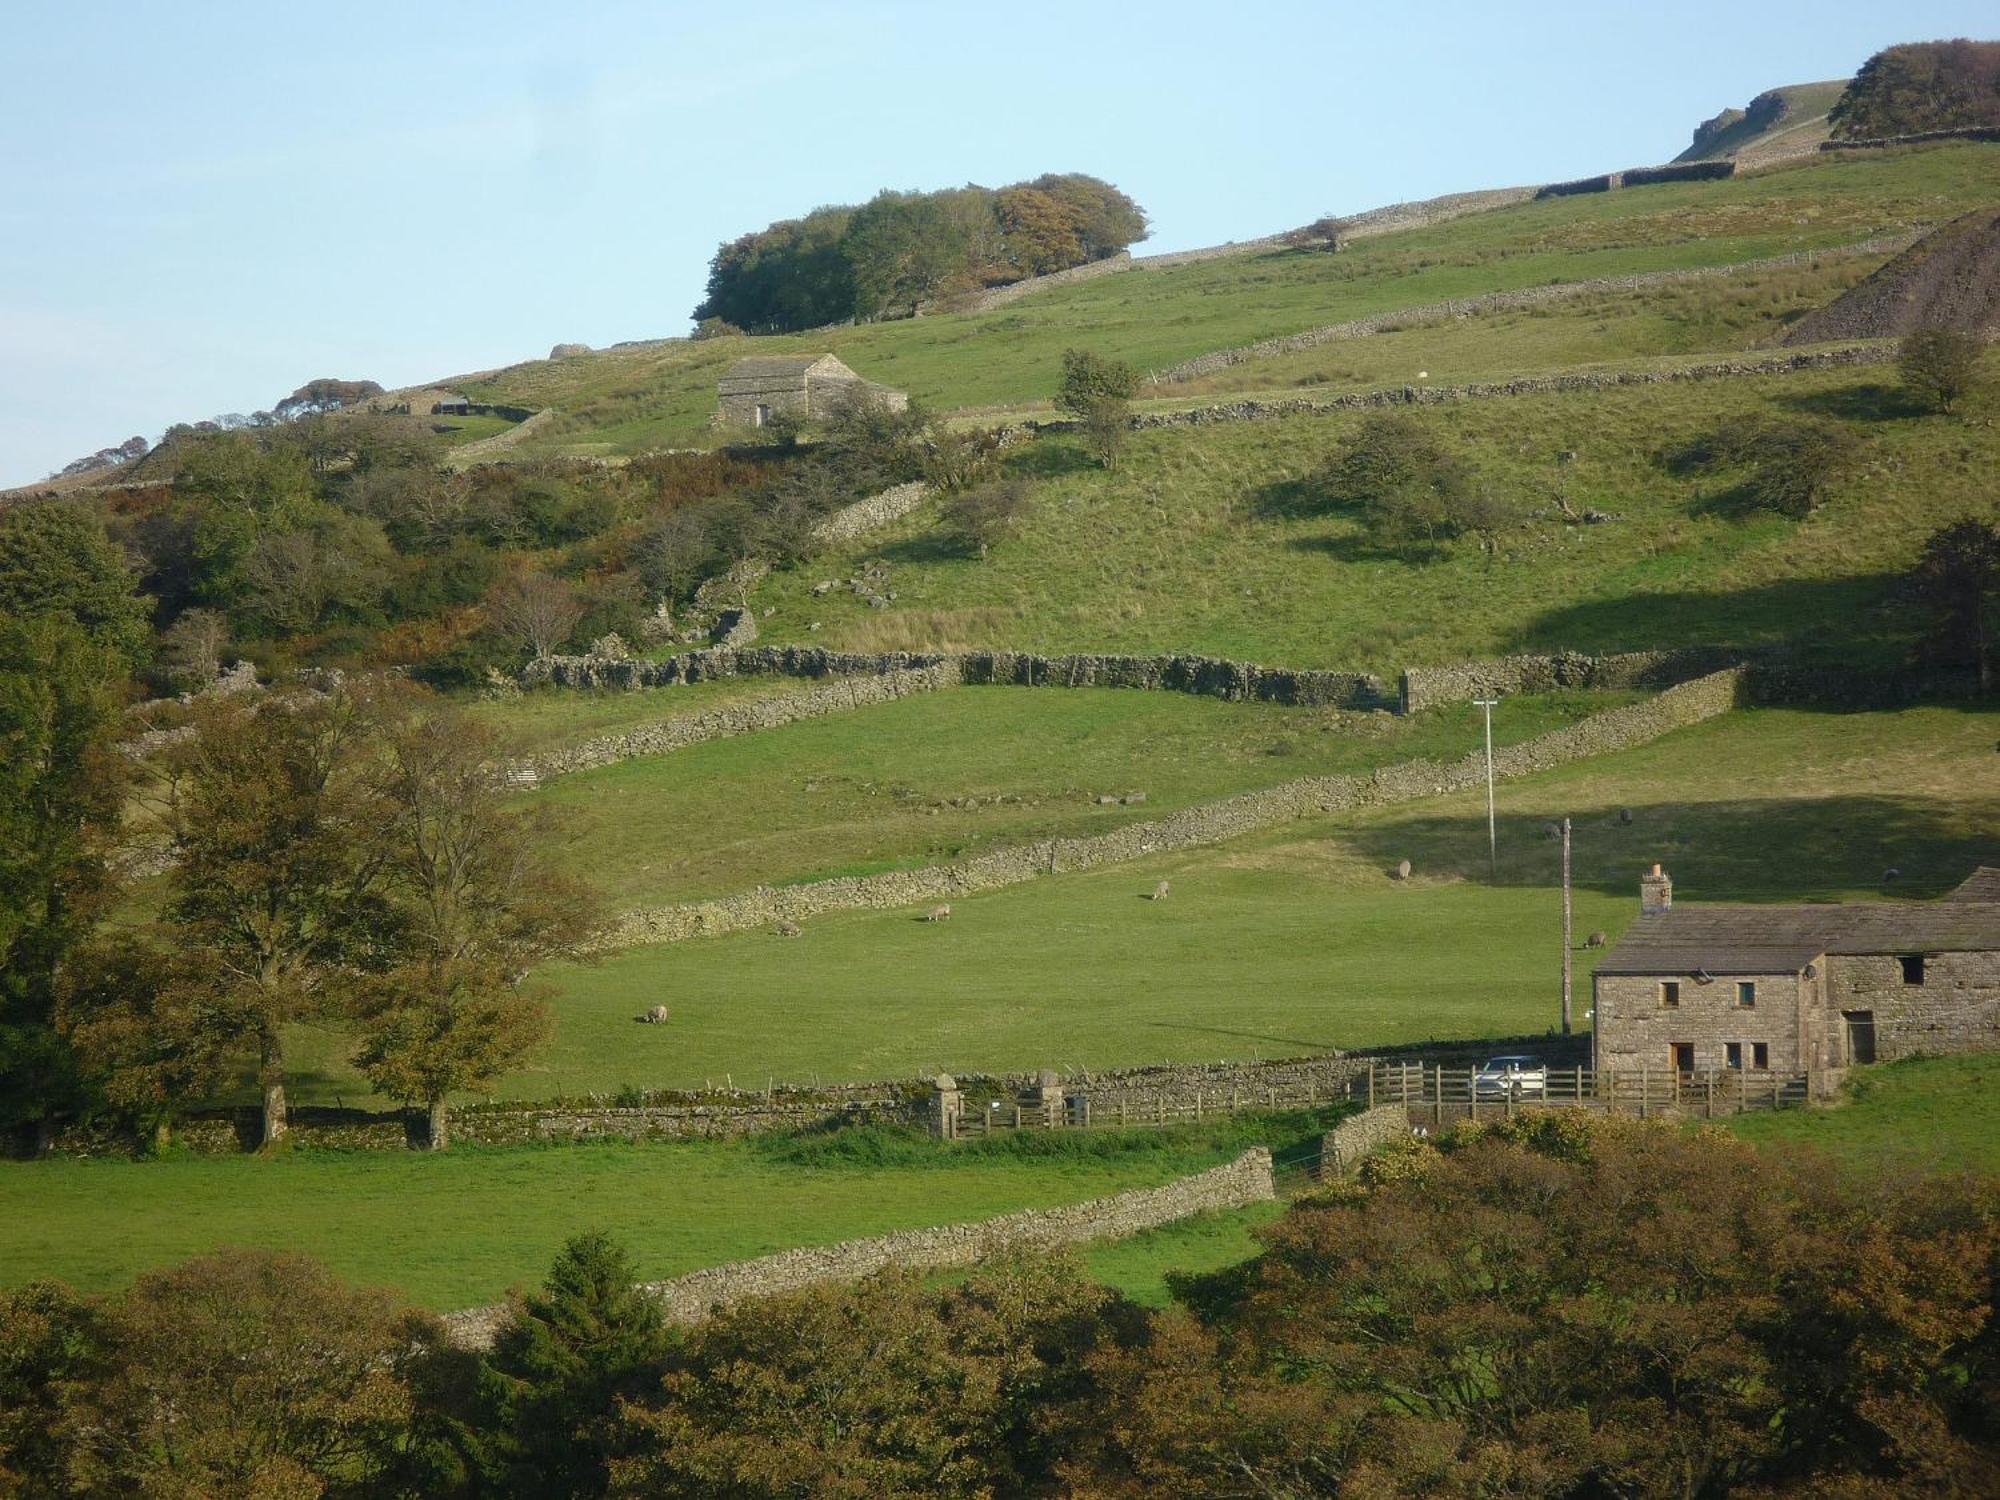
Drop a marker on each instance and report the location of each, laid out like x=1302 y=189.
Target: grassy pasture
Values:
x=1207 y=538
x=1922 y=1115
x=458 y=1230
x=627 y=400
x=1295 y=940
x=930 y=778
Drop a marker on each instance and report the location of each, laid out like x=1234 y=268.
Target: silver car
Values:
x=1511 y=1077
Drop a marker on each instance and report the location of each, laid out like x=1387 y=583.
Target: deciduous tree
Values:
x=473 y=901
x=1957 y=583
x=1938 y=365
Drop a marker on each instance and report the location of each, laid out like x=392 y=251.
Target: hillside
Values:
x=1779 y=122
x=662 y=394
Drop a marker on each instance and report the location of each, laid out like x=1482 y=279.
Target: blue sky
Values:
x=204 y=205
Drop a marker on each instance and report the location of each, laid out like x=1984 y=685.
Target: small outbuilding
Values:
x=754 y=390
x=450 y=404
x=1808 y=989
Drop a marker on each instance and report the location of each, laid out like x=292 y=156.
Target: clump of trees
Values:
x=1919 y=86
x=342 y=856
x=1409 y=488
x=1553 y=1306
x=1938 y=365
x=980 y=517
x=885 y=257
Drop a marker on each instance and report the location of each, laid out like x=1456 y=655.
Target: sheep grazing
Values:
x=657 y=1016
x=1402 y=870
x=789 y=928
x=1596 y=940
x=1160 y=891
x=939 y=913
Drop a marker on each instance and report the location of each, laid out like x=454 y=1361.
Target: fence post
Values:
x=1437 y=1096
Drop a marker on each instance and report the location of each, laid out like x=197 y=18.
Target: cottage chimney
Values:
x=1656 y=891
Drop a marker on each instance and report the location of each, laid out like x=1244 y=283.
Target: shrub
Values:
x=1787 y=464
x=1408 y=487
x=1938 y=365
x=980 y=517
x=1090 y=379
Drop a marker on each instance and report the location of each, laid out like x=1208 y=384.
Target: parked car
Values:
x=1516 y=1077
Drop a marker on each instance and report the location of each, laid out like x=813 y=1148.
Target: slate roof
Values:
x=1784 y=939
x=765 y=366
x=1983 y=884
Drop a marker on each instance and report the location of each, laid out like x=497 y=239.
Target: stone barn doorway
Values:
x=1860 y=1035
x=1683 y=1057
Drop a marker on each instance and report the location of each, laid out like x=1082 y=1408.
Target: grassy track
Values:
x=628 y=400
x=459 y=1229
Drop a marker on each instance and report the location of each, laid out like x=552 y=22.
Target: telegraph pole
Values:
x=1492 y=834
x=1567 y=929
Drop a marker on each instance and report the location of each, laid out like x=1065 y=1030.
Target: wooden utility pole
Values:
x=1568 y=933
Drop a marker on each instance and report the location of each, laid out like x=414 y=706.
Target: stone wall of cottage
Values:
x=1955 y=1009
x=1636 y=1030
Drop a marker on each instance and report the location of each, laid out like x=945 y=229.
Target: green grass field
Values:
x=1919 y=1116
x=931 y=778
x=459 y=1229
x=1205 y=538
x=623 y=401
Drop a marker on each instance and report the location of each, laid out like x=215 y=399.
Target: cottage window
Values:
x=1733 y=1054
x=1670 y=993
x=1746 y=992
x=1913 y=968
x=1760 y=1056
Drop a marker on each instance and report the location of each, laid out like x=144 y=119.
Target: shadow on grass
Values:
x=1050 y=459
x=928 y=547
x=1769 y=849
x=1870 y=401
x=1855 y=620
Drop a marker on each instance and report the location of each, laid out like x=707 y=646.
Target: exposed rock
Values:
x=1949 y=279
x=734 y=627
x=568 y=351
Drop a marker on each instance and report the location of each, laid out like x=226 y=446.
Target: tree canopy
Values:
x=1918 y=86
x=900 y=249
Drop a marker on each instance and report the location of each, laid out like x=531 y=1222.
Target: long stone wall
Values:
x=1969 y=133
x=1430 y=687
x=1014 y=291
x=1194 y=827
x=1439 y=395
x=1205 y=676
x=1438 y=312
x=674 y=733
x=690 y=1298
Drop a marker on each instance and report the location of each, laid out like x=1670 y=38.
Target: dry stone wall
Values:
x=1969 y=133
x=1014 y=291
x=1437 y=312
x=690 y=1298
x=1342 y=1148
x=1431 y=687
x=872 y=514
x=1439 y=395
x=664 y=735
x=1206 y=676
x=1194 y=827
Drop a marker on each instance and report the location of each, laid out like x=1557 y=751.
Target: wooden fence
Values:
x=1433 y=1093
x=1445 y=1094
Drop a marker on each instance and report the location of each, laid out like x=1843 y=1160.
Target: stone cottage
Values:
x=1799 y=989
x=754 y=390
